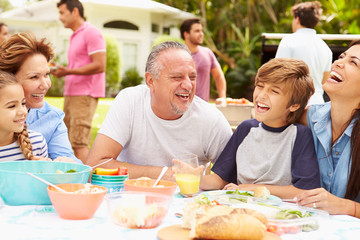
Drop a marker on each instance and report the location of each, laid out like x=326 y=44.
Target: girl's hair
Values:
x=7 y=79
x=353 y=186
x=24 y=143
x=16 y=49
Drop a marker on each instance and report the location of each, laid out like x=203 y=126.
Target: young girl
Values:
x=16 y=142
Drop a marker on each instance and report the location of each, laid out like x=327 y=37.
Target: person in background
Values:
x=148 y=125
x=335 y=126
x=205 y=61
x=4 y=32
x=272 y=150
x=305 y=45
x=28 y=59
x=16 y=142
x=85 y=75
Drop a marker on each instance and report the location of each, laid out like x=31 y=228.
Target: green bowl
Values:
x=110 y=177
x=18 y=188
x=107 y=183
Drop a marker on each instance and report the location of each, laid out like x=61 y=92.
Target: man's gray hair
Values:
x=152 y=65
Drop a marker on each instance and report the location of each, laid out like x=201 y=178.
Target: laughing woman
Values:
x=336 y=130
x=27 y=58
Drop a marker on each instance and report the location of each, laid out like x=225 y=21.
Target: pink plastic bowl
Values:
x=77 y=206
x=146 y=185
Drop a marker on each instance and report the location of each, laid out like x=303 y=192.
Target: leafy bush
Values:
x=112 y=66
x=112 y=71
x=57 y=84
x=131 y=78
x=164 y=38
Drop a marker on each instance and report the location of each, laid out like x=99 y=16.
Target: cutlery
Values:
x=160 y=176
x=92 y=167
x=46 y=182
x=101 y=163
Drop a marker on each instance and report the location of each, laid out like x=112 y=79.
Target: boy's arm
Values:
x=212 y=182
x=287 y=191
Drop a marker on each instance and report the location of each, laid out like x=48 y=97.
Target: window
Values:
x=129 y=56
x=166 y=30
x=121 y=25
x=155 y=28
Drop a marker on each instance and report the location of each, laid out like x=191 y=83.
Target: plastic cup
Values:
x=187 y=174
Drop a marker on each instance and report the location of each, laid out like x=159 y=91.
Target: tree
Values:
x=5 y=5
x=233 y=29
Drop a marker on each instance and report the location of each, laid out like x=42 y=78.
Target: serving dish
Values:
x=79 y=202
x=131 y=209
x=232 y=197
x=292 y=218
x=146 y=185
x=18 y=188
x=282 y=217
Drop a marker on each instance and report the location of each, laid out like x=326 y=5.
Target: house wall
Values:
x=98 y=15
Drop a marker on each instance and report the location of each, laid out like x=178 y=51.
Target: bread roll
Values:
x=230 y=226
x=190 y=211
x=262 y=192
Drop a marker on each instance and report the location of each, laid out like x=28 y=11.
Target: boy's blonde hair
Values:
x=7 y=79
x=295 y=75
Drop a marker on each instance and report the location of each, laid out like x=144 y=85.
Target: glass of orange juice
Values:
x=187 y=174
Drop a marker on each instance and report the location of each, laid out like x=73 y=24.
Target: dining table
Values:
x=42 y=222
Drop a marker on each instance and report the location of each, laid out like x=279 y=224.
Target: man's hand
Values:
x=220 y=101
x=60 y=71
x=64 y=159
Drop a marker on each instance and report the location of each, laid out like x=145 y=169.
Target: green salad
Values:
x=68 y=171
x=295 y=214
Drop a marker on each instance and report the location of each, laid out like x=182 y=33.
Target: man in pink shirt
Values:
x=205 y=61
x=85 y=75
x=4 y=32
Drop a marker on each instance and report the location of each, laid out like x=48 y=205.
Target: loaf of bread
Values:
x=223 y=222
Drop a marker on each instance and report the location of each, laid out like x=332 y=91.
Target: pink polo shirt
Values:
x=85 y=41
x=204 y=60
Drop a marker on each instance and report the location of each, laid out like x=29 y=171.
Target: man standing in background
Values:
x=85 y=75
x=305 y=45
x=4 y=32
x=205 y=61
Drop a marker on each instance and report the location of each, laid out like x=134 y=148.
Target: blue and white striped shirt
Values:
x=12 y=152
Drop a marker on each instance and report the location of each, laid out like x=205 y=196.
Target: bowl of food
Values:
x=18 y=188
x=132 y=209
x=79 y=202
x=146 y=185
x=292 y=218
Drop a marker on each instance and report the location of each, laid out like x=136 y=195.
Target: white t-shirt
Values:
x=149 y=140
x=305 y=45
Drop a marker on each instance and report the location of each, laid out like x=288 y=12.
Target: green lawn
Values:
x=100 y=114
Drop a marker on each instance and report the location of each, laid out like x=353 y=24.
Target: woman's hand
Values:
x=64 y=159
x=39 y=158
x=322 y=199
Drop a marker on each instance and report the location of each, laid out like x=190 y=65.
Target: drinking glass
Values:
x=187 y=174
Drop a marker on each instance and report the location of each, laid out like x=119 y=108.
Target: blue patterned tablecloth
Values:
x=42 y=222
